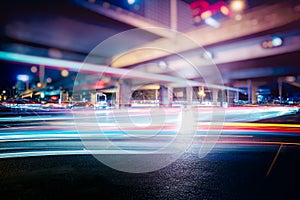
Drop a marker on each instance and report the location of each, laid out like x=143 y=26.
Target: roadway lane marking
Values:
x=274 y=160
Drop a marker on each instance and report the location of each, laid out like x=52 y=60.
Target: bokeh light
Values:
x=33 y=69
x=237 y=5
x=64 y=73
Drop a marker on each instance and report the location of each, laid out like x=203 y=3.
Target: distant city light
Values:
x=290 y=79
x=54 y=53
x=106 y=5
x=49 y=80
x=238 y=17
x=207 y=55
x=162 y=64
x=206 y=14
x=225 y=10
x=201 y=93
x=277 y=41
x=271 y=43
x=33 y=69
x=197 y=19
x=212 y=22
x=64 y=73
x=130 y=2
x=39 y=85
x=23 y=78
x=237 y=5
x=106 y=79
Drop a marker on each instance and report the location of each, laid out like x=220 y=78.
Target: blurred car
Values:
x=4 y=108
x=21 y=103
x=101 y=105
x=82 y=105
x=51 y=105
x=12 y=103
x=67 y=104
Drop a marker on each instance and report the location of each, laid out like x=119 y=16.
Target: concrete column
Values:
x=223 y=98
x=117 y=101
x=60 y=96
x=215 y=96
x=249 y=83
x=254 y=89
x=237 y=96
x=124 y=93
x=231 y=95
x=94 y=98
x=170 y=96
x=189 y=95
x=166 y=96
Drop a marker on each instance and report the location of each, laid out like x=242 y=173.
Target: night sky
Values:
x=9 y=72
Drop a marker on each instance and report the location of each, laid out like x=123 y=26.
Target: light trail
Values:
x=57 y=135
x=111 y=151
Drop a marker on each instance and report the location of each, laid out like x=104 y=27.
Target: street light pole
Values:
x=42 y=74
x=27 y=85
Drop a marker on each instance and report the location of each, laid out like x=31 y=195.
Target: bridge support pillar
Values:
x=215 y=95
x=123 y=94
x=237 y=96
x=249 y=84
x=165 y=96
x=252 y=91
x=189 y=95
x=231 y=96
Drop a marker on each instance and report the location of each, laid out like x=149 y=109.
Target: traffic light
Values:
x=202 y=10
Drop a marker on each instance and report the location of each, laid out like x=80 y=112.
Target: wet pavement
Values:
x=220 y=175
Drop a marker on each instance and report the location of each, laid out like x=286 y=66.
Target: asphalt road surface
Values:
x=255 y=156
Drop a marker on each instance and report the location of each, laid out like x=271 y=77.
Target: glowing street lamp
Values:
x=201 y=93
x=130 y=2
x=237 y=6
x=49 y=80
x=64 y=73
x=33 y=69
x=24 y=78
x=203 y=10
